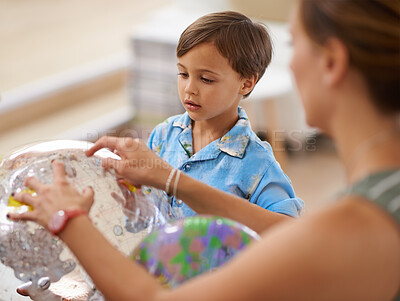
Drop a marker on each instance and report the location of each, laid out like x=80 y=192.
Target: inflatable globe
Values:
x=122 y=214
x=188 y=247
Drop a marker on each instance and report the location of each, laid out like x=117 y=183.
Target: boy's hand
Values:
x=134 y=202
x=138 y=163
x=128 y=201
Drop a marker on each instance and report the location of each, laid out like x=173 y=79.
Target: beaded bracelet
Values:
x=176 y=182
x=168 y=183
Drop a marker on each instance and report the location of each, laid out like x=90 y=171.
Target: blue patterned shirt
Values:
x=238 y=163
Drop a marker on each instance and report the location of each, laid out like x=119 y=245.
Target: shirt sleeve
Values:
x=275 y=193
x=156 y=137
x=150 y=141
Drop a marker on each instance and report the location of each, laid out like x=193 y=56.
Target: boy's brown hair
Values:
x=246 y=44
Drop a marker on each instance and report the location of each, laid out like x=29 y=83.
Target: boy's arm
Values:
x=205 y=199
x=275 y=192
x=157 y=135
x=202 y=198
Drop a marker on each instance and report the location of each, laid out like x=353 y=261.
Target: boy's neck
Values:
x=204 y=132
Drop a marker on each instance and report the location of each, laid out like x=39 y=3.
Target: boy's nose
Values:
x=191 y=88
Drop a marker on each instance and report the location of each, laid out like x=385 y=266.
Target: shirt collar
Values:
x=183 y=121
x=233 y=143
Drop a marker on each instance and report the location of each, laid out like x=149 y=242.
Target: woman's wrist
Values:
x=61 y=218
x=73 y=226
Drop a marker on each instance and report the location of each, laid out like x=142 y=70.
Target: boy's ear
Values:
x=248 y=84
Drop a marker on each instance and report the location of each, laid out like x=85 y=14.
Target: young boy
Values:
x=221 y=56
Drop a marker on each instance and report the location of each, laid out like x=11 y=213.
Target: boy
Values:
x=221 y=56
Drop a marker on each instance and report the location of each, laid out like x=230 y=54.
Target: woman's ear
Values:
x=247 y=84
x=335 y=62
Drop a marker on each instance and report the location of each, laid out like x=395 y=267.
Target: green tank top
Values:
x=382 y=188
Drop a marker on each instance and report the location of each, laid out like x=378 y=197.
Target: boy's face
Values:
x=209 y=89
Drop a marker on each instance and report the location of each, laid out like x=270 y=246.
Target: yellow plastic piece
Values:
x=130 y=186
x=14 y=203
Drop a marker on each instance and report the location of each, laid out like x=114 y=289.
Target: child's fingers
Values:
x=33 y=183
x=116 y=197
x=24 y=216
x=25 y=198
x=103 y=142
x=119 y=145
x=88 y=193
x=58 y=171
x=128 y=185
x=109 y=163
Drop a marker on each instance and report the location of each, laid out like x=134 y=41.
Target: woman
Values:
x=346 y=63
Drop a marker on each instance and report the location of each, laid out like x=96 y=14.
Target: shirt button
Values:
x=179 y=202
x=187 y=167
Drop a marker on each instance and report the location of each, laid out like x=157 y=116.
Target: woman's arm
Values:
x=114 y=274
x=141 y=166
x=350 y=252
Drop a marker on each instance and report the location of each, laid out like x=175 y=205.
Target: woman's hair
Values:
x=246 y=44
x=370 y=29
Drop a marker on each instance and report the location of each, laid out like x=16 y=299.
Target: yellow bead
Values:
x=14 y=203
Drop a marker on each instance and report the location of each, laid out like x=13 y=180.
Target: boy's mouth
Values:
x=191 y=106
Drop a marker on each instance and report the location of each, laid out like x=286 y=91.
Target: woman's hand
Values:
x=138 y=164
x=48 y=199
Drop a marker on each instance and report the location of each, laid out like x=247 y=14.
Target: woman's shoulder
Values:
x=351 y=241
x=382 y=189
x=362 y=212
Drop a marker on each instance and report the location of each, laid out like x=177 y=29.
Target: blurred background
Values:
x=82 y=69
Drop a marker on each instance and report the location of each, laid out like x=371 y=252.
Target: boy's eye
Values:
x=206 y=80
x=183 y=74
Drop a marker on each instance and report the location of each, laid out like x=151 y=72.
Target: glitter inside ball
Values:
x=124 y=216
